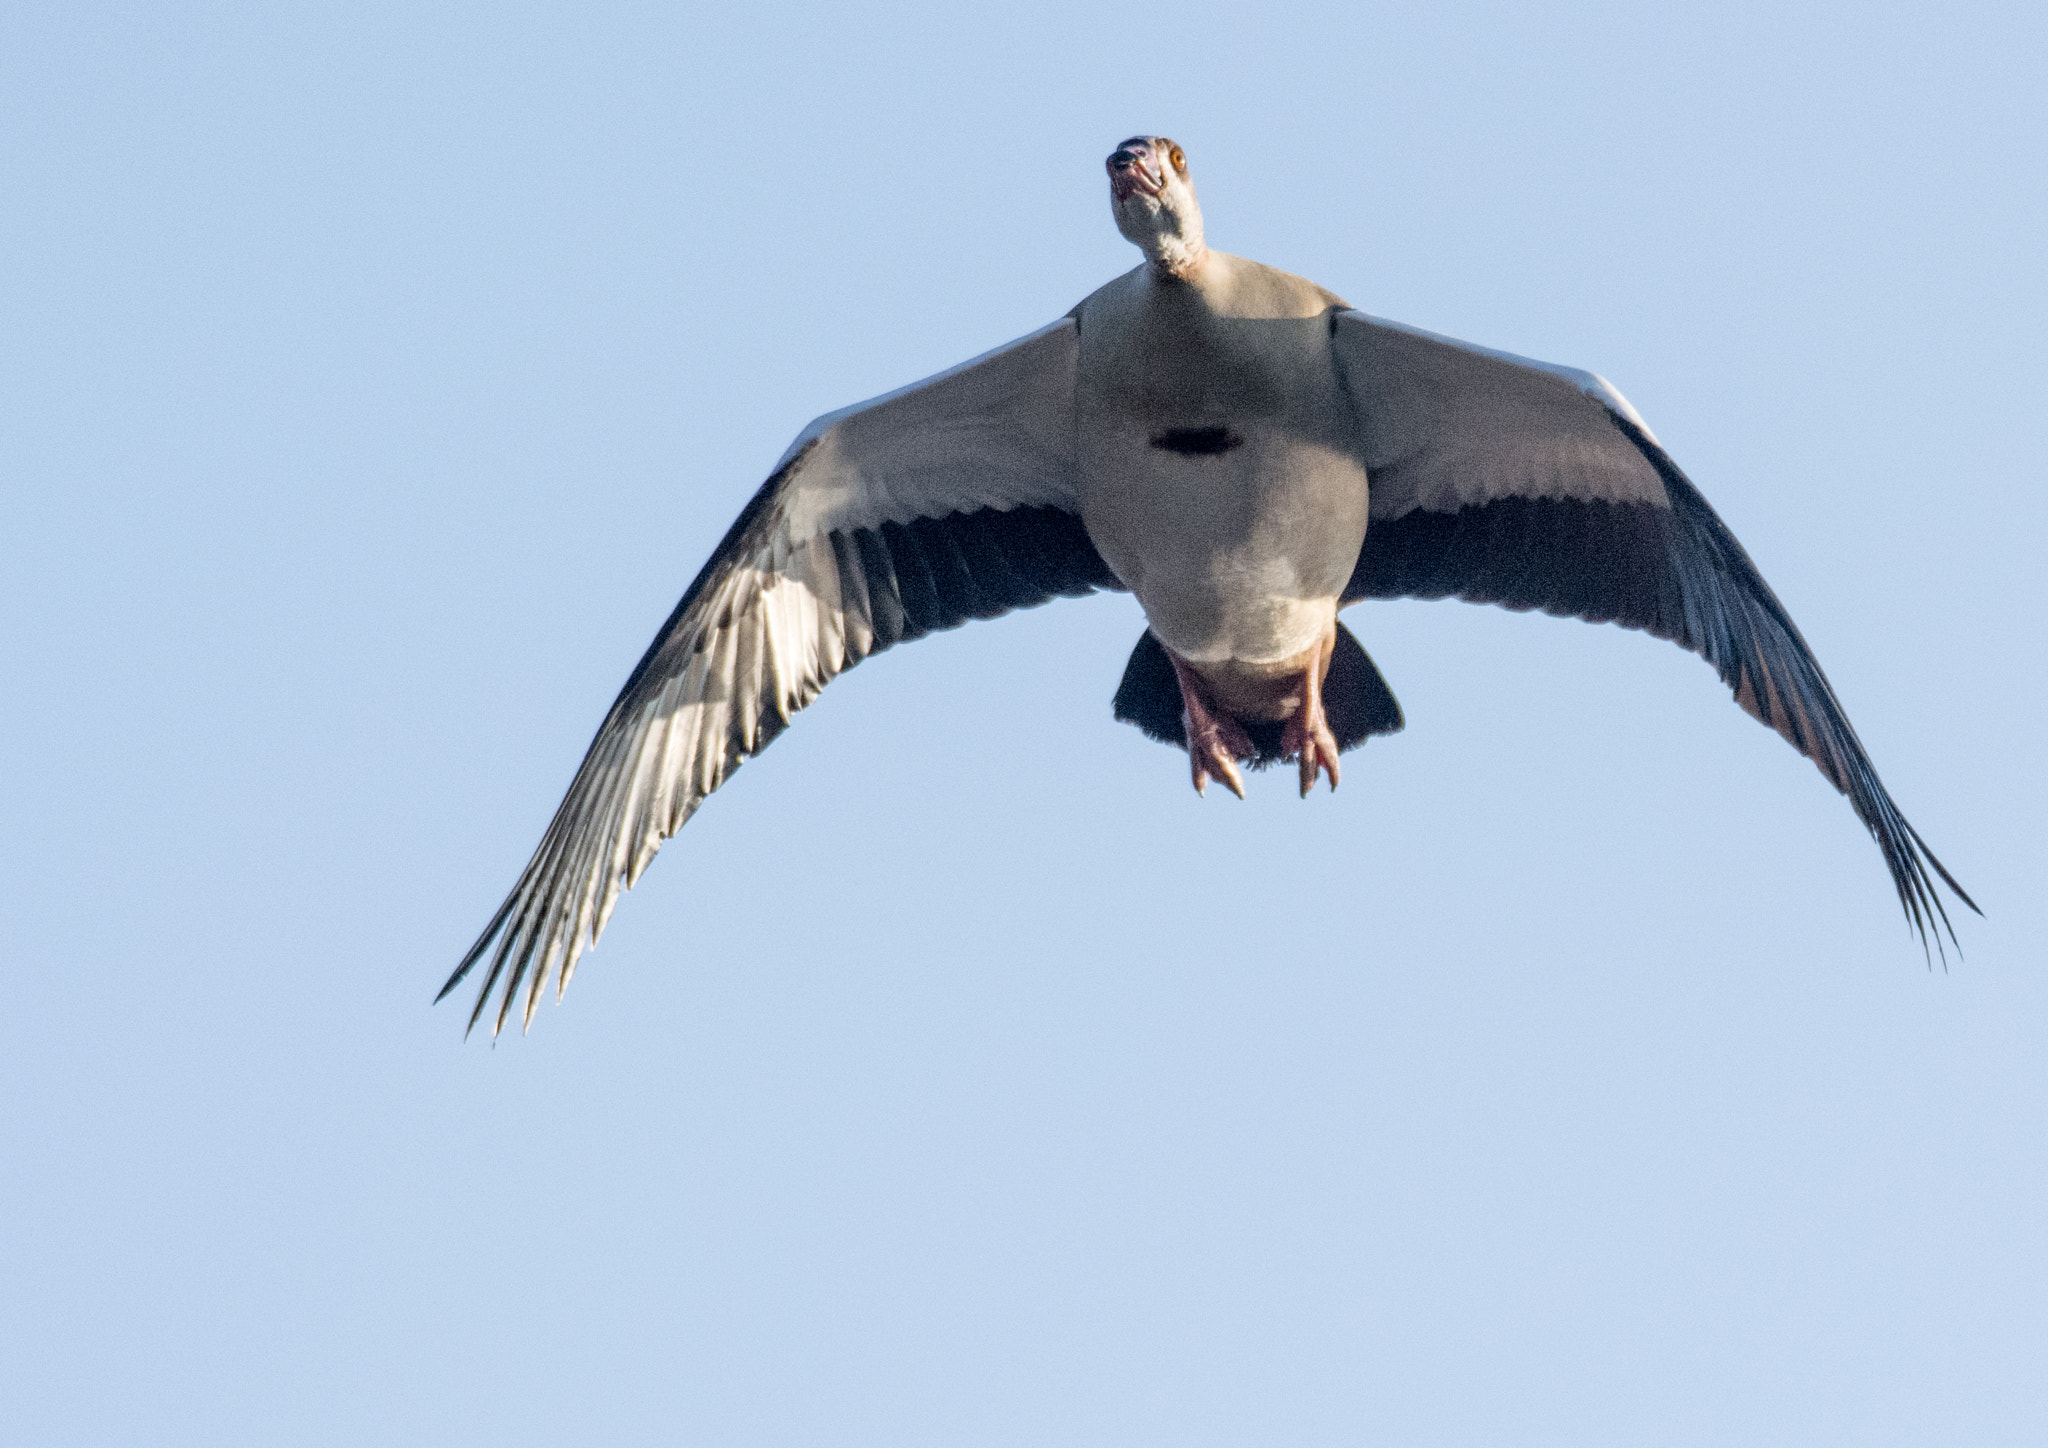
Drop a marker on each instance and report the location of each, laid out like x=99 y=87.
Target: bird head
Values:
x=1153 y=198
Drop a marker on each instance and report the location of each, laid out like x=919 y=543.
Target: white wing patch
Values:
x=996 y=432
x=1449 y=425
x=1590 y=383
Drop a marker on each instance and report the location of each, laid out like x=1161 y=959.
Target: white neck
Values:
x=1175 y=256
x=1168 y=231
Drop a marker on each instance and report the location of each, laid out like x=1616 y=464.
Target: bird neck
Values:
x=1175 y=256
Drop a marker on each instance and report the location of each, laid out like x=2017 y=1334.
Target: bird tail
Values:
x=1355 y=698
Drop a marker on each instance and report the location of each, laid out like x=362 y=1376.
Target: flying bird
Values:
x=1244 y=452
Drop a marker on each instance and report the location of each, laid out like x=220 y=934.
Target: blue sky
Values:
x=374 y=378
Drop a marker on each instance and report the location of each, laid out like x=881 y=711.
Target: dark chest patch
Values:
x=1197 y=442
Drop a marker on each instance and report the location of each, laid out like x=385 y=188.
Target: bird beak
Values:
x=1128 y=173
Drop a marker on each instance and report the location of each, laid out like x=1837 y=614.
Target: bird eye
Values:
x=1180 y=161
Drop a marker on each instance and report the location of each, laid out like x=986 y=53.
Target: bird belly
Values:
x=1238 y=541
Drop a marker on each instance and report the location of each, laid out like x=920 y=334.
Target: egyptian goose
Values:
x=1245 y=453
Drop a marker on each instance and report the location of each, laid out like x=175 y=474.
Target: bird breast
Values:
x=1219 y=470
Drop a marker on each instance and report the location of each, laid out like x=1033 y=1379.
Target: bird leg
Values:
x=1306 y=734
x=1215 y=740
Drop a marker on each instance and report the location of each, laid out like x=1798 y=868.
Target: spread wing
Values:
x=950 y=499
x=1496 y=479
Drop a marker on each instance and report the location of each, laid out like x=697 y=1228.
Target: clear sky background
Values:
x=374 y=377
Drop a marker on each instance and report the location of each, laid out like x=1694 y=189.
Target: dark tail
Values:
x=1356 y=699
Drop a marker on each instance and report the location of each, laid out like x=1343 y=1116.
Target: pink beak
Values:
x=1128 y=172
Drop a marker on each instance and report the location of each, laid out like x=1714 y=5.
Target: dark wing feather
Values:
x=947 y=501
x=1498 y=480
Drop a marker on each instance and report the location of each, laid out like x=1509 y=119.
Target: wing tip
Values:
x=1910 y=862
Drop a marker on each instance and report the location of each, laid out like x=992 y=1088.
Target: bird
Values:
x=1245 y=453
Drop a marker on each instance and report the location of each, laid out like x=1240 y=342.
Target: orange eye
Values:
x=1180 y=162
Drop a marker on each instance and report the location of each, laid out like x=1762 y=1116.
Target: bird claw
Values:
x=1307 y=737
x=1208 y=756
x=1318 y=754
x=1215 y=741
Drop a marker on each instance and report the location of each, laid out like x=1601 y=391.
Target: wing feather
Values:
x=949 y=500
x=1496 y=479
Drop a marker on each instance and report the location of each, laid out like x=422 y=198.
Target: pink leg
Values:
x=1306 y=734
x=1215 y=740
